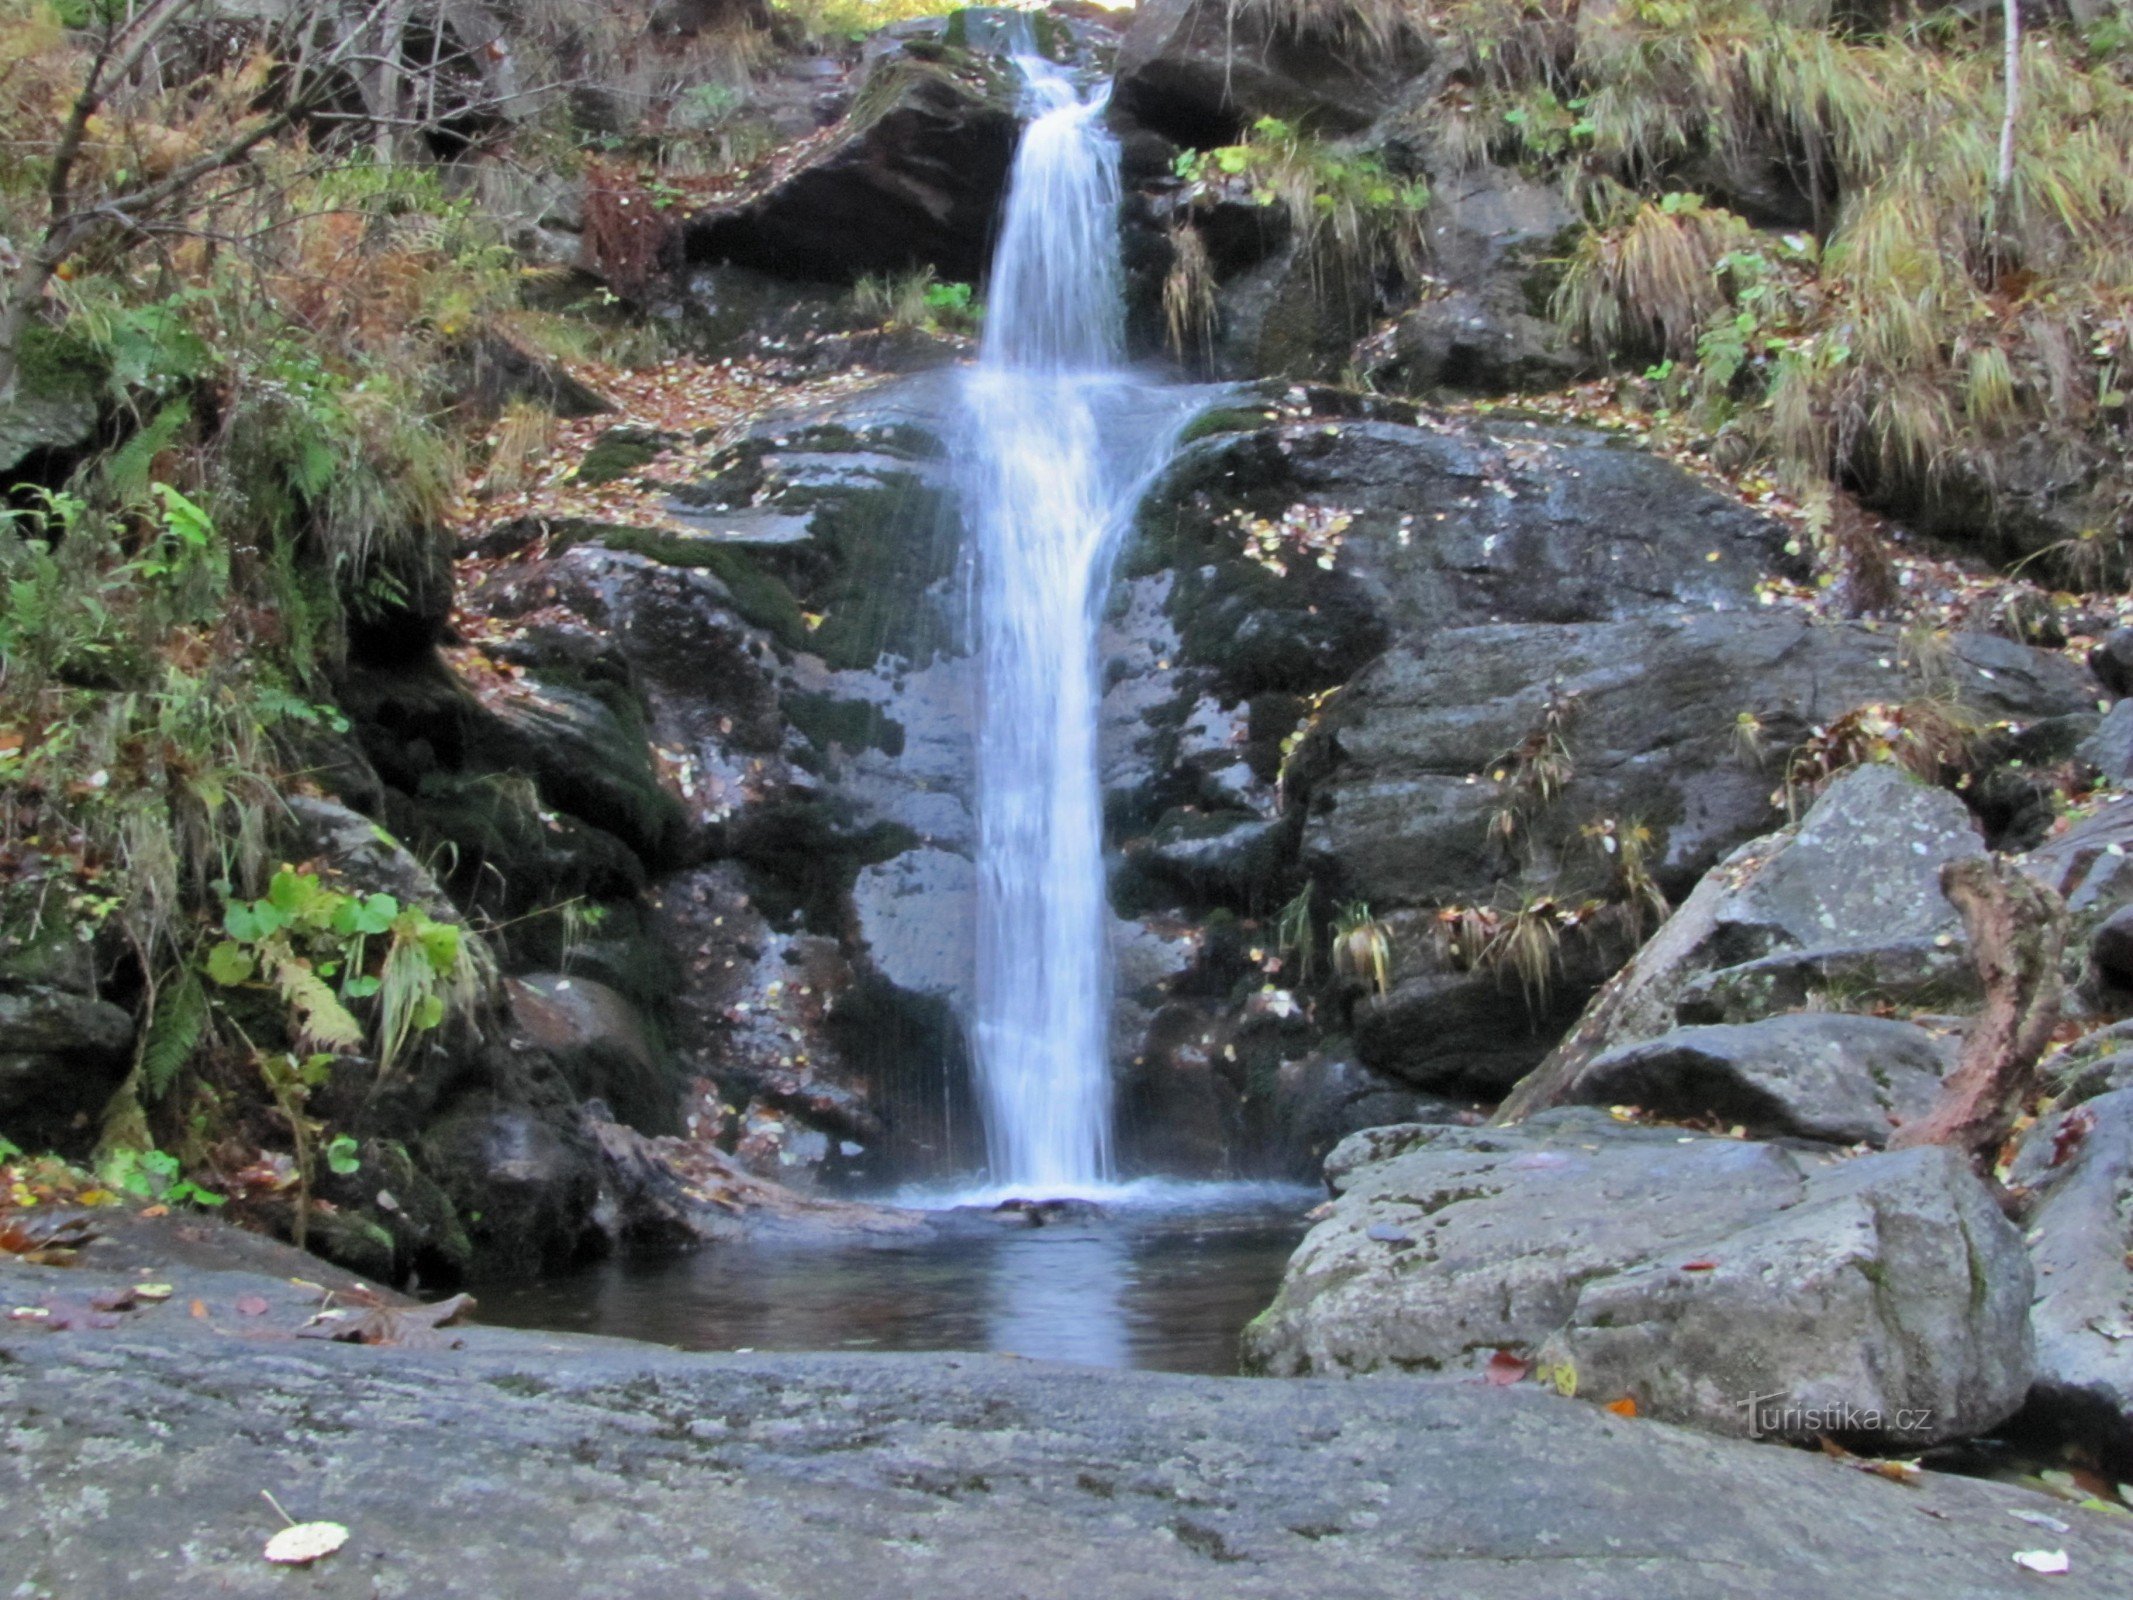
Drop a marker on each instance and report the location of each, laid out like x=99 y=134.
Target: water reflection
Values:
x=1167 y=1287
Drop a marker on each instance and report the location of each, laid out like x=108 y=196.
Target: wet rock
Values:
x=753 y=1010
x=917 y=915
x=1820 y=1075
x=62 y=1054
x=1322 y=1098
x=2078 y=1168
x=601 y=1044
x=912 y=178
x=1692 y=1274
x=1199 y=72
x=526 y=1184
x=1889 y=1306
x=1860 y=872
x=1450 y=522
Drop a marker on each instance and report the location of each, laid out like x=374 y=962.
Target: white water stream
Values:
x=1062 y=441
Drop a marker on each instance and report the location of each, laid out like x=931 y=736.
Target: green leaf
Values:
x=229 y=964
x=376 y=914
x=185 y=521
x=359 y=988
x=429 y=1012
x=440 y=943
x=341 y=1157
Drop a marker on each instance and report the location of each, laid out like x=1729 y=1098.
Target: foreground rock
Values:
x=550 y=1466
x=1850 y=898
x=2079 y=1168
x=1694 y=1275
x=1818 y=1075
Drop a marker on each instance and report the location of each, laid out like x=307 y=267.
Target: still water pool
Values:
x=1157 y=1276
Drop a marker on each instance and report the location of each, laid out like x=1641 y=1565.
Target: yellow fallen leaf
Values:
x=303 y=1542
x=153 y=1291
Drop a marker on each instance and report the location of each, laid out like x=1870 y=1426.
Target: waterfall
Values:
x=1062 y=440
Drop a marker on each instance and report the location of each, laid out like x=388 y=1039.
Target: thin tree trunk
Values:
x=2011 y=73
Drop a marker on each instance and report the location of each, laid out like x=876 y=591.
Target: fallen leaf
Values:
x=2049 y=1562
x=153 y=1291
x=123 y=1298
x=199 y=1309
x=251 y=1305
x=1505 y=1368
x=1700 y=1264
x=1624 y=1407
x=301 y=1543
x=372 y=1322
x=2044 y=1520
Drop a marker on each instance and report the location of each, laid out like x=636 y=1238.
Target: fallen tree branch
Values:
x=2017 y=930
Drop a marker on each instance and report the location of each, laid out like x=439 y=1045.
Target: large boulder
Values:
x=1740 y=1287
x=2077 y=1167
x=62 y=1054
x=1814 y=1075
x=1857 y=876
x=911 y=178
x=1890 y=1305
x=1646 y=715
x=1201 y=71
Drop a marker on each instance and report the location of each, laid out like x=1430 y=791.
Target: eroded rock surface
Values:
x=545 y=1465
x=1691 y=1274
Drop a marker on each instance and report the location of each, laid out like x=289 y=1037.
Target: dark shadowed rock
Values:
x=2112 y=661
x=1322 y=1098
x=1200 y=72
x=2078 y=1166
x=2110 y=748
x=1406 y=810
x=62 y=1055
x=1817 y=1075
x=601 y=1044
x=1692 y=1274
x=912 y=178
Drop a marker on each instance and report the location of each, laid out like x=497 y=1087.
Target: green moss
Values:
x=619 y=452
x=762 y=599
x=856 y=724
x=53 y=365
x=1223 y=419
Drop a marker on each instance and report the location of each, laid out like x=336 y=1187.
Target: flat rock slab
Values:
x=1815 y=1075
x=561 y=1468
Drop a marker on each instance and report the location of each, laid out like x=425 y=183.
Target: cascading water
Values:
x=1062 y=442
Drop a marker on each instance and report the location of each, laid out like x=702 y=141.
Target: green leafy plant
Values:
x=405 y=966
x=1354 y=215
x=1296 y=933
x=153 y=1175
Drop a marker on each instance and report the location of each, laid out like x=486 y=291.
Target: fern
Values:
x=324 y=1019
x=173 y=1033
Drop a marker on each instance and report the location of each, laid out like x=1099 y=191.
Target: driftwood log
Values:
x=2017 y=930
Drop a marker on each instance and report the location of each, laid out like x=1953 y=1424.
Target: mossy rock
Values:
x=855 y=724
x=619 y=452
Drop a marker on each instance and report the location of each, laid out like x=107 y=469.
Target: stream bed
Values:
x=1161 y=1277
